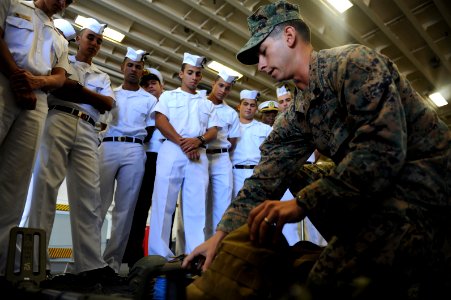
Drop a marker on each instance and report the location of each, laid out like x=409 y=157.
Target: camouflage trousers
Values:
x=398 y=251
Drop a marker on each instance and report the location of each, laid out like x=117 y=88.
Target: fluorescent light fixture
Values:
x=340 y=5
x=438 y=99
x=214 y=65
x=108 y=32
x=113 y=34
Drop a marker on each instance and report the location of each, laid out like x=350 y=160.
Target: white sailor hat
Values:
x=194 y=60
x=66 y=28
x=282 y=90
x=136 y=55
x=229 y=78
x=94 y=26
x=203 y=93
x=269 y=105
x=155 y=72
x=248 y=94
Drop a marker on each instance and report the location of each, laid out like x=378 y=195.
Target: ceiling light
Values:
x=214 y=65
x=438 y=99
x=107 y=33
x=113 y=34
x=340 y=5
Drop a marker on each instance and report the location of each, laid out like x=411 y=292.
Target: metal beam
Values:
x=446 y=14
x=414 y=22
x=221 y=20
x=395 y=40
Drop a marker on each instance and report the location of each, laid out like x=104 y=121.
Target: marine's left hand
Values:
x=267 y=220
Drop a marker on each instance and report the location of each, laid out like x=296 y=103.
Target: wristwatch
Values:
x=300 y=203
x=202 y=139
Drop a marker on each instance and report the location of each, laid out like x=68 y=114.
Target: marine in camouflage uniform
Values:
x=385 y=206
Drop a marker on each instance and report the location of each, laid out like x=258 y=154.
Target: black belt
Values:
x=74 y=112
x=221 y=150
x=126 y=139
x=244 y=166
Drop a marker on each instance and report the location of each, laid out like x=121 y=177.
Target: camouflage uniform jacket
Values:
x=388 y=144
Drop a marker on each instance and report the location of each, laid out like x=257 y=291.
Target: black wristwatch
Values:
x=202 y=139
x=300 y=203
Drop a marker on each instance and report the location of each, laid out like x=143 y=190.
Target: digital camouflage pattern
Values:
x=242 y=270
x=261 y=23
x=385 y=207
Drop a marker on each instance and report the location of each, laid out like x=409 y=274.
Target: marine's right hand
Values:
x=207 y=249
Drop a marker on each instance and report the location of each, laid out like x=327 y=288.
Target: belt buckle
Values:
x=122 y=139
x=82 y=116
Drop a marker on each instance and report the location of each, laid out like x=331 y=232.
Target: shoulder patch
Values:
x=22 y=16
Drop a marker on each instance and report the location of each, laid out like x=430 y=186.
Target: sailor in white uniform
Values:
x=247 y=152
x=69 y=150
x=69 y=33
x=284 y=97
x=66 y=29
x=189 y=122
x=219 y=150
x=122 y=154
x=34 y=59
x=153 y=83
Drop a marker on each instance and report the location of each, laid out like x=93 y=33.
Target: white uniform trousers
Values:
x=176 y=172
x=125 y=163
x=219 y=190
x=291 y=231
x=304 y=230
x=20 y=135
x=239 y=175
x=178 y=232
x=69 y=150
x=312 y=234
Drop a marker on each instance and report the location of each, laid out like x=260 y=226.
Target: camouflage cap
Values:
x=261 y=23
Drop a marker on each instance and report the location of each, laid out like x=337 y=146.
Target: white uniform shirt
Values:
x=189 y=114
x=32 y=39
x=230 y=127
x=247 y=151
x=93 y=79
x=131 y=115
